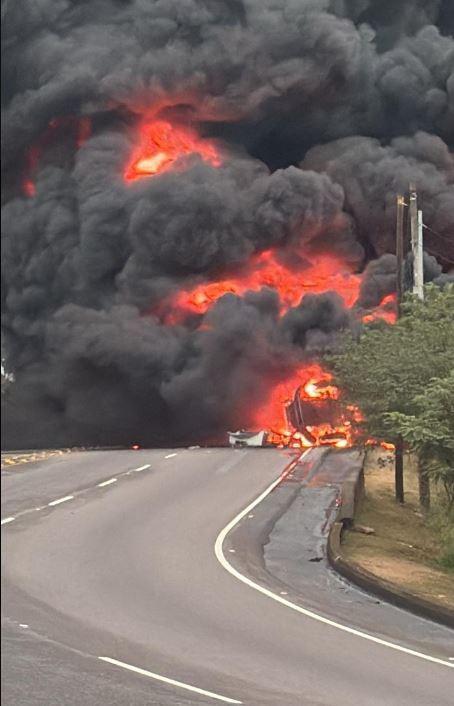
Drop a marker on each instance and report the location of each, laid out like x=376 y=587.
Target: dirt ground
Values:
x=19 y=458
x=405 y=547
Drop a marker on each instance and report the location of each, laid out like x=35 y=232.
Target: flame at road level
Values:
x=162 y=144
x=314 y=384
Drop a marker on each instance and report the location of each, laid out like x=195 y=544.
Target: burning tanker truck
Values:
x=310 y=413
x=318 y=417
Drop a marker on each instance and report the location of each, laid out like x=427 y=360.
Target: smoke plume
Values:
x=317 y=111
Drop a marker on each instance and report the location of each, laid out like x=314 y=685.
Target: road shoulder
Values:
x=282 y=545
x=394 y=556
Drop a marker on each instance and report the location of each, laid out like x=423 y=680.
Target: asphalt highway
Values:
x=112 y=554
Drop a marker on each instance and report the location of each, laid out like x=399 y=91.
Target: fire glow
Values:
x=161 y=146
x=313 y=385
x=386 y=311
x=322 y=274
x=78 y=128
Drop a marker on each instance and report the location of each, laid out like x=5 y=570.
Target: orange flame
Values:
x=385 y=445
x=386 y=311
x=322 y=274
x=313 y=383
x=161 y=145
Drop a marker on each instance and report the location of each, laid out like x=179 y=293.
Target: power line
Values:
x=406 y=204
x=449 y=240
x=437 y=254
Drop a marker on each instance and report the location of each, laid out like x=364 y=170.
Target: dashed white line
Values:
x=7 y=519
x=166 y=680
x=61 y=500
x=170 y=455
x=107 y=482
x=308 y=613
x=142 y=468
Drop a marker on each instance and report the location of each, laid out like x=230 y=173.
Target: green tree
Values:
x=385 y=369
x=430 y=432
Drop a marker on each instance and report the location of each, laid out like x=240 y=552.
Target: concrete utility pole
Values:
x=416 y=225
x=399 y=450
x=418 y=262
x=416 y=244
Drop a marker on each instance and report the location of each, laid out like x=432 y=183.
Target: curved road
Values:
x=127 y=570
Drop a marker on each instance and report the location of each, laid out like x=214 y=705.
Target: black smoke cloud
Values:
x=322 y=109
x=379 y=278
x=371 y=175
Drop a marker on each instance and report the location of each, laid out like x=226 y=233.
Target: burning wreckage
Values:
x=314 y=417
x=191 y=218
x=317 y=418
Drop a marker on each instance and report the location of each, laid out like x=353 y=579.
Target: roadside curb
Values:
x=367 y=580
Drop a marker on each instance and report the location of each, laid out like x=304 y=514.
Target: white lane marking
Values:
x=61 y=500
x=308 y=613
x=23 y=625
x=107 y=482
x=173 y=682
x=7 y=519
x=141 y=468
x=170 y=456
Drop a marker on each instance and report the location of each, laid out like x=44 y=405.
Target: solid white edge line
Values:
x=60 y=500
x=142 y=468
x=166 y=680
x=7 y=519
x=170 y=455
x=107 y=482
x=308 y=613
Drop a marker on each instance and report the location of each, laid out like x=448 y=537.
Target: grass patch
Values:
x=414 y=552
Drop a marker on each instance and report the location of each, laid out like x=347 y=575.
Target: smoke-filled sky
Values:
x=318 y=112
